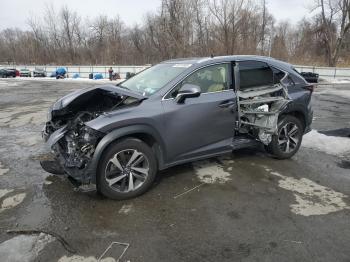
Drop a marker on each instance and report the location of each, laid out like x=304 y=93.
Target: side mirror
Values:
x=187 y=91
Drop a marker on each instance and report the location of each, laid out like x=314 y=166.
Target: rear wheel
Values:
x=127 y=169
x=287 y=141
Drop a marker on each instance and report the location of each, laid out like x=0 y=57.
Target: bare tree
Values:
x=70 y=26
x=182 y=28
x=334 y=24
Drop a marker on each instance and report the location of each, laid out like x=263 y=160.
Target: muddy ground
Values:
x=244 y=206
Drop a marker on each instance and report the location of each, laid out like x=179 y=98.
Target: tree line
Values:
x=182 y=28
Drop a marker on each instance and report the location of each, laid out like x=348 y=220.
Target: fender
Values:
x=298 y=109
x=122 y=132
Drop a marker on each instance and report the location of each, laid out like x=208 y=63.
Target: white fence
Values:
x=84 y=71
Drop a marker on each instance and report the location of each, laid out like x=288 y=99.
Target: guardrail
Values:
x=329 y=72
x=84 y=71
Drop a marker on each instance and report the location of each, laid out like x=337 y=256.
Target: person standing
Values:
x=110 y=71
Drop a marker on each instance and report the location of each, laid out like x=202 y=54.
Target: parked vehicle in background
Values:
x=116 y=138
x=24 y=72
x=310 y=77
x=39 y=72
x=3 y=73
x=12 y=72
x=6 y=72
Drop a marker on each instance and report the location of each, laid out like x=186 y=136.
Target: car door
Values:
x=204 y=125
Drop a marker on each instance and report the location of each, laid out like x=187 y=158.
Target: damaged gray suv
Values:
x=116 y=138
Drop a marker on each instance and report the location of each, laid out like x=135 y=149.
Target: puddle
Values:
x=342 y=132
x=210 y=172
x=344 y=164
x=312 y=199
x=12 y=201
x=24 y=247
x=76 y=258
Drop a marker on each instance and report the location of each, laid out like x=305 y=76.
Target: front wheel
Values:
x=127 y=169
x=287 y=141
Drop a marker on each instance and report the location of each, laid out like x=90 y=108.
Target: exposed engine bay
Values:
x=66 y=131
x=259 y=109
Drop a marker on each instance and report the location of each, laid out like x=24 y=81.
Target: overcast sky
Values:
x=14 y=13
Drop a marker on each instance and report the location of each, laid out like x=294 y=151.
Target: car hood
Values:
x=70 y=98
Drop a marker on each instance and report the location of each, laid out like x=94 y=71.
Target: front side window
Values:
x=255 y=74
x=210 y=79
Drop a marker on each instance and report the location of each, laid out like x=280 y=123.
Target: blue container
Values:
x=98 y=76
x=61 y=71
x=76 y=75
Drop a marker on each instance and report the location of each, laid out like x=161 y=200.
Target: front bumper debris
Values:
x=58 y=165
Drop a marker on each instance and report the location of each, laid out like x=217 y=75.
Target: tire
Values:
x=282 y=146
x=115 y=169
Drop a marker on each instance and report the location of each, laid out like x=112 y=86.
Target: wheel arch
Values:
x=144 y=133
x=298 y=113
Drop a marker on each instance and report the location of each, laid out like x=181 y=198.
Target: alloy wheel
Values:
x=127 y=170
x=288 y=137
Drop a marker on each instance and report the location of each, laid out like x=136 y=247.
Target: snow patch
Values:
x=312 y=199
x=47 y=182
x=76 y=258
x=332 y=80
x=210 y=173
x=24 y=247
x=3 y=170
x=12 y=201
x=328 y=144
x=125 y=209
x=4 y=192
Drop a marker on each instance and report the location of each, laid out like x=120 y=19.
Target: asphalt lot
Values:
x=244 y=206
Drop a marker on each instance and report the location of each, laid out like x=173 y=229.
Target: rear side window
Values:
x=255 y=74
x=277 y=75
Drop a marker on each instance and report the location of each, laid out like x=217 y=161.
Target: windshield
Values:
x=154 y=78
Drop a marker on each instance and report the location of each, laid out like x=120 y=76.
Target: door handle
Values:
x=227 y=104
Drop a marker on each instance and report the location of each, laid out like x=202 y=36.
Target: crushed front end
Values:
x=71 y=140
x=73 y=145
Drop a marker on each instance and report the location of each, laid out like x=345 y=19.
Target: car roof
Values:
x=209 y=60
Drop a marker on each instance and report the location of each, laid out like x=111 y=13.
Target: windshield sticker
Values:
x=182 y=65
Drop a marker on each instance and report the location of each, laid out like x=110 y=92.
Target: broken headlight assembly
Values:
x=79 y=146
